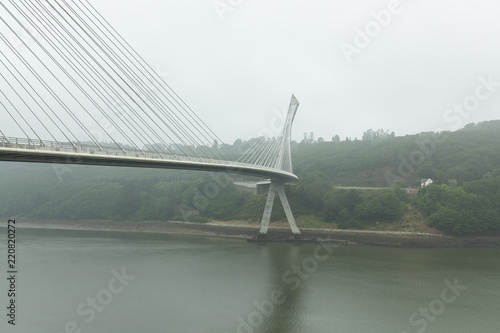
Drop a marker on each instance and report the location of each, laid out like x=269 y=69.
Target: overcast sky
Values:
x=406 y=66
x=237 y=62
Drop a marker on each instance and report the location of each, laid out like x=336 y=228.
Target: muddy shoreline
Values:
x=249 y=232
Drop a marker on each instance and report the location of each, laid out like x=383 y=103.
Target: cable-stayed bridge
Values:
x=74 y=91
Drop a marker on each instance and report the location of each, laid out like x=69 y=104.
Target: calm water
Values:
x=113 y=282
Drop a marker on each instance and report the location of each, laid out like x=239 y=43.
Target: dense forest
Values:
x=465 y=155
x=464 y=198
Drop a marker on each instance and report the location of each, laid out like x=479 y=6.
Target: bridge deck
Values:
x=23 y=152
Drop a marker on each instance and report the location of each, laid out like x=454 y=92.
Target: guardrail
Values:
x=67 y=147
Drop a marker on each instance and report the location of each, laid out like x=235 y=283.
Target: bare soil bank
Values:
x=245 y=231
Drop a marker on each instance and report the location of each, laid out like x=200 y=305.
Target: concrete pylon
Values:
x=277 y=187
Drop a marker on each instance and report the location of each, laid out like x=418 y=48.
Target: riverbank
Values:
x=249 y=231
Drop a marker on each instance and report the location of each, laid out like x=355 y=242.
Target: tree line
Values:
x=464 y=199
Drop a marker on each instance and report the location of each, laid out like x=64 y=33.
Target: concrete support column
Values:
x=277 y=187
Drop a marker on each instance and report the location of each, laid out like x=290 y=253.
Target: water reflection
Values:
x=198 y=284
x=290 y=267
x=285 y=288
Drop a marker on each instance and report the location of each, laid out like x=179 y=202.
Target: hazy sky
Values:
x=237 y=62
x=407 y=66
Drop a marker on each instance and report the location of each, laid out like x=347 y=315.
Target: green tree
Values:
x=127 y=203
x=312 y=189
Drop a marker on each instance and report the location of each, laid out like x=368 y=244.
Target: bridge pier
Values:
x=277 y=187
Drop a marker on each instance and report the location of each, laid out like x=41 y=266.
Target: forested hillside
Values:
x=464 y=199
x=465 y=155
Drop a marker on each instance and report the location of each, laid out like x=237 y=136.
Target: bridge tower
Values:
x=283 y=161
x=68 y=87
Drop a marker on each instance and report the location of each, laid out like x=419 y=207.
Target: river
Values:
x=101 y=282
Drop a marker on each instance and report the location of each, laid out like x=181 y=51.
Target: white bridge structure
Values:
x=67 y=74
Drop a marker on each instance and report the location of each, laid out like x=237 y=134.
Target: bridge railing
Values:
x=67 y=147
x=45 y=145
